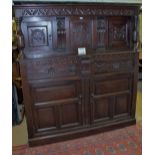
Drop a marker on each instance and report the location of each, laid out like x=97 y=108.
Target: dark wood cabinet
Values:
x=67 y=95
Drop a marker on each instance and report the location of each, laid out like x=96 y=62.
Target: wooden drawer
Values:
x=55 y=67
x=113 y=62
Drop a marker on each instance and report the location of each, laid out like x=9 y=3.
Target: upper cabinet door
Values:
x=81 y=32
x=38 y=36
x=119 y=33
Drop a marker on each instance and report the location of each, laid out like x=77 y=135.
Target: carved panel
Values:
x=37 y=36
x=81 y=33
x=118 y=33
x=101 y=29
x=61 y=33
x=75 y=11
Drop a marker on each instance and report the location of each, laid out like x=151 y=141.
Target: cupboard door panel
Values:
x=55 y=93
x=122 y=104
x=56 y=105
x=111 y=97
x=115 y=85
x=101 y=109
x=46 y=117
x=71 y=114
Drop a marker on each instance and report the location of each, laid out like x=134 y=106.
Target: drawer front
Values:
x=55 y=67
x=108 y=63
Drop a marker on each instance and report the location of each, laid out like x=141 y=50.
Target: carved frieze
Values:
x=52 y=67
x=113 y=62
x=76 y=11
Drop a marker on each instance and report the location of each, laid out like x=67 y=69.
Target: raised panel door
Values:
x=110 y=97
x=56 y=105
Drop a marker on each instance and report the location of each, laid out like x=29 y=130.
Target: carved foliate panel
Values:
x=37 y=36
x=118 y=33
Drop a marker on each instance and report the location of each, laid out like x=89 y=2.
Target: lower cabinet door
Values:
x=111 y=97
x=56 y=106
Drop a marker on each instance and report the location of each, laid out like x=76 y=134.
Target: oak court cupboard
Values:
x=79 y=65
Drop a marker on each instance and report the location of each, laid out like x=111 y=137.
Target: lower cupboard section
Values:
x=60 y=110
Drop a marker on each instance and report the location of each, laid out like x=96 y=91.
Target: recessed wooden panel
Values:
x=121 y=105
x=101 y=108
x=109 y=86
x=81 y=33
x=46 y=117
x=58 y=92
x=70 y=113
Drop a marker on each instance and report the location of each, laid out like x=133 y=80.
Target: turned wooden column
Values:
x=19 y=37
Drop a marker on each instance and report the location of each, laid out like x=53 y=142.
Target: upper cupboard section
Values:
x=60 y=34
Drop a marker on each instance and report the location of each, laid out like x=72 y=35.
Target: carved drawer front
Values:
x=52 y=67
x=108 y=63
x=56 y=105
